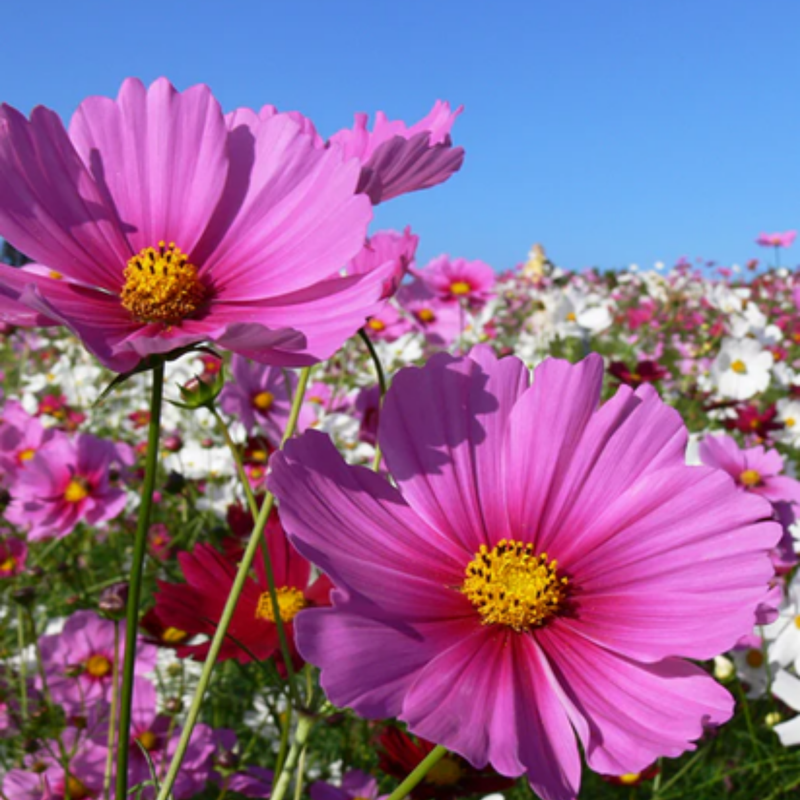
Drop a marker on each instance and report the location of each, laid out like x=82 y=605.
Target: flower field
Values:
x=288 y=513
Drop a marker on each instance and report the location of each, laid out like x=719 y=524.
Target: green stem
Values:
x=237 y=460
x=376 y=461
x=286 y=725
x=112 y=715
x=256 y=538
x=23 y=666
x=304 y=726
x=135 y=584
x=418 y=773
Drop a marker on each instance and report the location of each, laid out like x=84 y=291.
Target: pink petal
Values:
x=50 y=208
x=161 y=156
x=442 y=430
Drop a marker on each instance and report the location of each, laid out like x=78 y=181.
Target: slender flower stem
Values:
x=376 y=461
x=23 y=666
x=135 y=584
x=304 y=725
x=418 y=773
x=237 y=460
x=230 y=606
x=112 y=715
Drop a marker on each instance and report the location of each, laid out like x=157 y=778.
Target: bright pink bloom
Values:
x=398 y=159
x=21 y=437
x=387 y=325
x=170 y=225
x=259 y=397
x=79 y=661
x=66 y=482
x=753 y=469
x=385 y=247
x=539 y=573
x=439 y=320
x=454 y=279
x=776 y=239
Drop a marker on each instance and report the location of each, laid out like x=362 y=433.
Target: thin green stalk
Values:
x=237 y=460
x=304 y=725
x=112 y=715
x=23 y=666
x=135 y=583
x=418 y=773
x=286 y=725
x=376 y=461
x=230 y=606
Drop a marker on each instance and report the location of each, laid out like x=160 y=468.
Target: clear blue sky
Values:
x=612 y=131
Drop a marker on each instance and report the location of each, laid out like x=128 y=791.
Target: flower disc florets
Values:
x=161 y=285
x=511 y=585
x=290 y=602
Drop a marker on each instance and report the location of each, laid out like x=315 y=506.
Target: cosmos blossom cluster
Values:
x=417 y=518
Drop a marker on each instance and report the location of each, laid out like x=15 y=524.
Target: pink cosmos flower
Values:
x=66 y=482
x=776 y=239
x=539 y=573
x=387 y=325
x=397 y=159
x=386 y=247
x=21 y=436
x=458 y=279
x=79 y=661
x=439 y=320
x=753 y=469
x=259 y=397
x=169 y=224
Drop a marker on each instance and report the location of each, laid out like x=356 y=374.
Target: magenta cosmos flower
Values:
x=397 y=158
x=160 y=223
x=777 y=239
x=538 y=574
x=458 y=279
x=67 y=481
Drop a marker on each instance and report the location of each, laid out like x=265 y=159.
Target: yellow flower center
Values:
x=797 y=621
x=290 y=602
x=8 y=565
x=445 y=772
x=754 y=658
x=258 y=455
x=789 y=422
x=739 y=367
x=426 y=315
x=148 y=740
x=76 y=789
x=750 y=477
x=173 y=635
x=263 y=401
x=571 y=317
x=630 y=778
x=377 y=324
x=25 y=455
x=76 y=490
x=460 y=288
x=98 y=666
x=161 y=285
x=511 y=585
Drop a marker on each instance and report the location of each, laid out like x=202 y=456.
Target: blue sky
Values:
x=612 y=131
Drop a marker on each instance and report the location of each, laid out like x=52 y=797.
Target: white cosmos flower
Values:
x=787 y=688
x=741 y=369
x=789 y=415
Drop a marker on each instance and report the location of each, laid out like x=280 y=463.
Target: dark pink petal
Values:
x=297 y=223
x=50 y=208
x=629 y=714
x=387 y=653
x=490 y=699
x=441 y=431
x=161 y=156
x=354 y=525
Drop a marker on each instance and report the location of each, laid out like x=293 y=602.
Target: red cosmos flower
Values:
x=646 y=371
x=399 y=753
x=195 y=607
x=749 y=420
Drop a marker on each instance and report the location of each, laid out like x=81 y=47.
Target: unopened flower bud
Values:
x=173 y=705
x=113 y=600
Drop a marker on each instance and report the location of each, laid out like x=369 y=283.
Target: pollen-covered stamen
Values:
x=76 y=490
x=511 y=585
x=290 y=602
x=161 y=285
x=739 y=367
x=750 y=477
x=460 y=288
x=263 y=400
x=98 y=666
